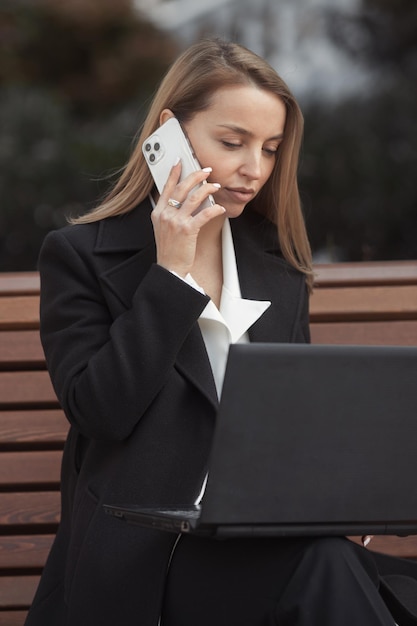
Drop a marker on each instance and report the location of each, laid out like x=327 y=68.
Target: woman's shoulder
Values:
x=111 y=231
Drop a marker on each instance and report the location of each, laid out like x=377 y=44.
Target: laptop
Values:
x=309 y=440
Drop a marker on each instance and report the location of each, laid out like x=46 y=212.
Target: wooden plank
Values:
x=378 y=303
x=24 y=551
x=17 y=591
x=30 y=469
x=371 y=273
x=21 y=283
x=21 y=312
x=26 y=388
x=12 y=618
x=21 y=348
x=34 y=426
x=393 y=333
x=28 y=508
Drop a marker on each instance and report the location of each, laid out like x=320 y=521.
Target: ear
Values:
x=165 y=116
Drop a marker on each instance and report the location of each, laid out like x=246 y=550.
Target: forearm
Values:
x=107 y=371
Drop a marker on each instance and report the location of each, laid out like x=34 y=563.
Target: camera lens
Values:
x=152 y=158
x=156 y=146
x=148 y=147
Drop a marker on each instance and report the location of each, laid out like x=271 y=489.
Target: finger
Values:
x=366 y=540
x=208 y=213
x=170 y=185
x=197 y=196
x=182 y=189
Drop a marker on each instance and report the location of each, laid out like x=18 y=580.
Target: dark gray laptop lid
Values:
x=310 y=434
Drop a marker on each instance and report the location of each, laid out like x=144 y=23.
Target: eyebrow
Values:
x=243 y=131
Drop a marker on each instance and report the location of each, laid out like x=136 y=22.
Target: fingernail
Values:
x=366 y=541
x=207 y=169
x=218 y=185
x=177 y=160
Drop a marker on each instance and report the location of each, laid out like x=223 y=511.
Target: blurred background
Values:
x=76 y=77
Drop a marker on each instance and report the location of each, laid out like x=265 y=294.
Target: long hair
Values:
x=186 y=89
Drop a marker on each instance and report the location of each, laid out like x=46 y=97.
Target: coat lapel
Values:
x=126 y=247
x=265 y=275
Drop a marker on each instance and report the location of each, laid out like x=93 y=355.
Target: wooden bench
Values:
x=32 y=434
x=373 y=303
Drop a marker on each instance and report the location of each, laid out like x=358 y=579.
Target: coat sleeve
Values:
x=106 y=372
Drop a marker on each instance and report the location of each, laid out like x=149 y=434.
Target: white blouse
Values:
x=230 y=323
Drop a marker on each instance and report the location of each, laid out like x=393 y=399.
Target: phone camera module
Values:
x=153 y=149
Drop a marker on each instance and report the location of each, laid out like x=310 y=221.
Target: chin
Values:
x=234 y=210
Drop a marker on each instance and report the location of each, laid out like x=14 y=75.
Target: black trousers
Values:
x=273 y=582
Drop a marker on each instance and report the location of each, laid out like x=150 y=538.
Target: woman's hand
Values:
x=362 y=541
x=176 y=229
x=366 y=539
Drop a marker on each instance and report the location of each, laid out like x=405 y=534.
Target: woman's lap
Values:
x=263 y=582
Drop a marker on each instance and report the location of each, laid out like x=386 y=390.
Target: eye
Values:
x=271 y=150
x=231 y=145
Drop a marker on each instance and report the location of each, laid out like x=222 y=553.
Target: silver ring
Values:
x=174 y=203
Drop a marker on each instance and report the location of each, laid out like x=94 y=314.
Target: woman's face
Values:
x=238 y=136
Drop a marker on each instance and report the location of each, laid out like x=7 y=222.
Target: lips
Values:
x=241 y=194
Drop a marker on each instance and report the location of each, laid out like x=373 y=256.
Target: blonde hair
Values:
x=186 y=89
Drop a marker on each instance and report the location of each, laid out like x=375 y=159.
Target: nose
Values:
x=251 y=166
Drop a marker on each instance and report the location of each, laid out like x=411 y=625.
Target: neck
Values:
x=210 y=233
x=208 y=264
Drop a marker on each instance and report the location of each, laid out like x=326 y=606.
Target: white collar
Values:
x=237 y=314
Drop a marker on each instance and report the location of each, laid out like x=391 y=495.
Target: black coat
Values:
x=130 y=369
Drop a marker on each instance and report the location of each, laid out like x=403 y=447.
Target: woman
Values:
x=140 y=300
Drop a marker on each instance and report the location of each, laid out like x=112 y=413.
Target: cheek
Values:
x=206 y=157
x=269 y=168
x=204 y=148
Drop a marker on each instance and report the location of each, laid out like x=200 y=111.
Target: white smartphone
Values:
x=162 y=149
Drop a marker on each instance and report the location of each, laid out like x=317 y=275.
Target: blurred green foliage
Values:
x=358 y=177
x=359 y=169
x=51 y=167
x=94 y=54
x=75 y=80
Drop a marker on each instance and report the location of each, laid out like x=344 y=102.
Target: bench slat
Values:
x=393 y=333
x=12 y=618
x=21 y=348
x=19 y=312
x=376 y=303
x=370 y=273
x=32 y=388
x=35 y=426
x=19 y=283
x=23 y=509
x=24 y=551
x=17 y=591
x=28 y=469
